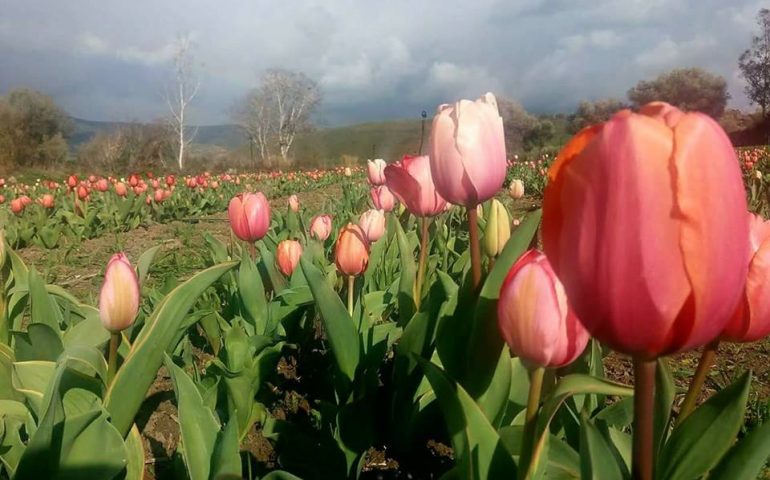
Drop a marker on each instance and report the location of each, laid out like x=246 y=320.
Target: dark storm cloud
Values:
x=110 y=60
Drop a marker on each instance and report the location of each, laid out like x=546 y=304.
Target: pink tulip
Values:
x=159 y=195
x=121 y=189
x=321 y=227
x=287 y=256
x=382 y=198
x=751 y=320
x=294 y=203
x=72 y=181
x=372 y=222
x=410 y=180
x=83 y=192
x=102 y=185
x=249 y=215
x=467 y=151
x=376 y=172
x=170 y=180
x=534 y=316
x=352 y=250
x=2 y=199
x=119 y=297
x=649 y=244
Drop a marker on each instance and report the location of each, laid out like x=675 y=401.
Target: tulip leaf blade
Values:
x=697 y=444
x=252 y=294
x=479 y=451
x=160 y=334
x=745 y=459
x=340 y=330
x=597 y=459
x=145 y=262
x=406 y=283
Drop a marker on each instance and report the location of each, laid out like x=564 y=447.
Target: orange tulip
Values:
x=352 y=250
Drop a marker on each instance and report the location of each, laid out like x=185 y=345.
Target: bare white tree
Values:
x=179 y=96
x=273 y=113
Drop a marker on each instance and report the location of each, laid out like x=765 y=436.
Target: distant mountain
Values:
x=388 y=139
x=228 y=136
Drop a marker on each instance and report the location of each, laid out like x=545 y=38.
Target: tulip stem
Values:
x=112 y=358
x=424 y=221
x=696 y=384
x=351 y=287
x=473 y=230
x=253 y=251
x=644 y=402
x=533 y=404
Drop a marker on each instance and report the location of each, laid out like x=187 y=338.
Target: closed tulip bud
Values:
x=119 y=297
x=170 y=180
x=372 y=222
x=72 y=181
x=321 y=227
x=516 y=190
x=82 y=192
x=249 y=215
x=498 y=229
x=467 y=151
x=287 y=256
x=534 y=316
x=650 y=246
x=376 y=171
x=47 y=201
x=382 y=198
x=133 y=180
x=17 y=206
x=159 y=196
x=120 y=189
x=102 y=185
x=352 y=250
x=410 y=180
x=348 y=172
x=751 y=320
x=294 y=203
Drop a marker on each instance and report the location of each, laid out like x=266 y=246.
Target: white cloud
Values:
x=669 y=53
x=91 y=44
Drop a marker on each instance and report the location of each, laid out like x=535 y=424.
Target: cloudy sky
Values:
x=110 y=59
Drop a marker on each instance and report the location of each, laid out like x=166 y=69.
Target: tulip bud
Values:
x=17 y=206
x=348 y=172
x=382 y=198
x=467 y=151
x=321 y=227
x=352 y=250
x=119 y=297
x=287 y=256
x=516 y=189
x=410 y=180
x=376 y=172
x=498 y=229
x=758 y=175
x=249 y=215
x=47 y=201
x=372 y=222
x=294 y=203
x=120 y=189
x=534 y=316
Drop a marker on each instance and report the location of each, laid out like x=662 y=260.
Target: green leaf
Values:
x=89 y=332
x=342 y=334
x=197 y=424
x=280 y=475
x=479 y=452
x=39 y=342
x=747 y=457
x=145 y=261
x=698 y=443
x=406 y=284
x=135 y=450
x=160 y=334
x=43 y=308
x=226 y=461
x=252 y=294
x=267 y=265
x=665 y=392
x=597 y=460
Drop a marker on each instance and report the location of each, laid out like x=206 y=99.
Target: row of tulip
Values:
x=44 y=212
x=433 y=307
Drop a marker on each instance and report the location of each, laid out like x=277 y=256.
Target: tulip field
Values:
x=599 y=312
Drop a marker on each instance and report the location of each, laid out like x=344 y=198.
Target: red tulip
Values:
x=649 y=244
x=170 y=180
x=102 y=185
x=133 y=180
x=287 y=256
x=82 y=192
x=249 y=215
x=376 y=171
x=352 y=250
x=47 y=201
x=17 y=206
x=382 y=198
x=534 y=316
x=467 y=151
x=119 y=296
x=321 y=227
x=25 y=200
x=159 y=196
x=410 y=180
x=2 y=199
x=751 y=320
x=372 y=222
x=72 y=181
